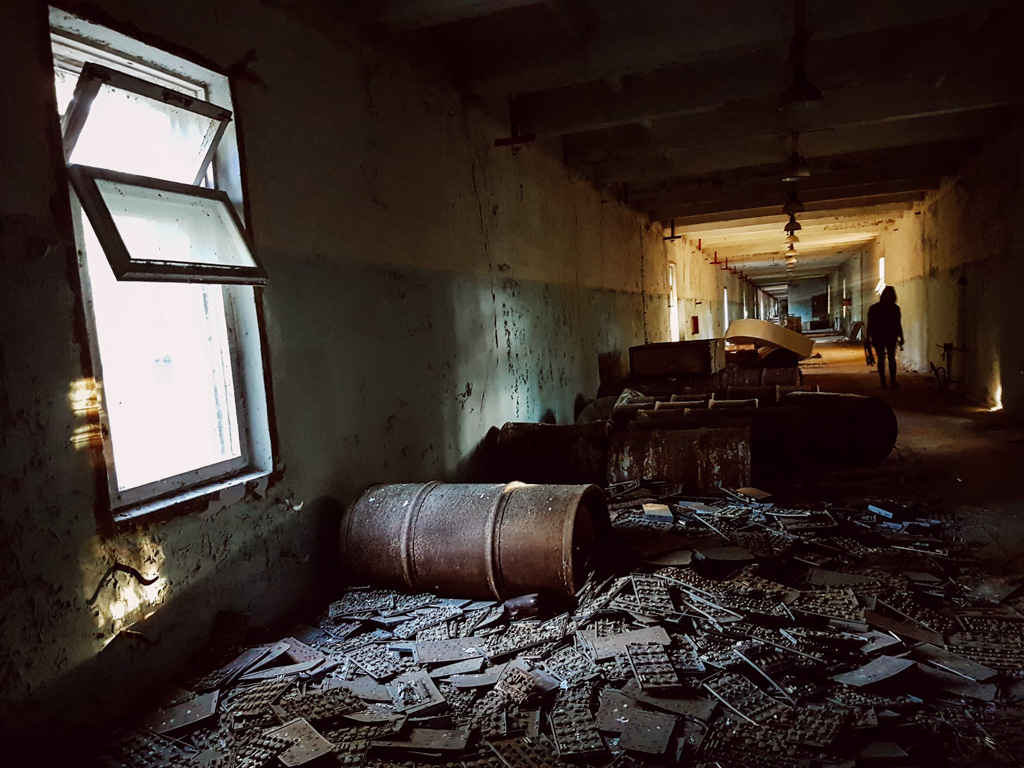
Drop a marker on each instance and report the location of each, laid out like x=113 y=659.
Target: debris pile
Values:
x=723 y=631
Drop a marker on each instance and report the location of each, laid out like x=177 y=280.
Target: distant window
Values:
x=725 y=311
x=166 y=269
x=673 y=303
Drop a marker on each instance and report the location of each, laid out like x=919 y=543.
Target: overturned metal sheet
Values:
x=761 y=333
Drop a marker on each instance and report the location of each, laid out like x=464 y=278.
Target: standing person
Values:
x=885 y=329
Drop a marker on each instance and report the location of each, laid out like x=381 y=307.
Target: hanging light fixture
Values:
x=801 y=93
x=792 y=225
x=791 y=254
x=793 y=205
x=796 y=170
x=791 y=239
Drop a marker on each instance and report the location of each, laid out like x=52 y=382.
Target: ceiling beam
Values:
x=922 y=52
x=759 y=118
x=767 y=150
x=891 y=204
x=876 y=215
x=818 y=181
x=811 y=237
x=776 y=197
x=877 y=163
x=670 y=33
x=412 y=15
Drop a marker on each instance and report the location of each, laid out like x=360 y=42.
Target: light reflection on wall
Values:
x=86 y=403
x=996 y=387
x=122 y=600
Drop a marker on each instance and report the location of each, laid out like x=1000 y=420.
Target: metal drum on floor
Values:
x=473 y=541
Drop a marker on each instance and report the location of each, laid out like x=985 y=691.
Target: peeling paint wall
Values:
x=955 y=262
x=424 y=288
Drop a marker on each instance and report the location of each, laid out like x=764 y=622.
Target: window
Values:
x=166 y=268
x=725 y=310
x=673 y=303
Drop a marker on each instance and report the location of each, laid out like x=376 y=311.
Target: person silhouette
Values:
x=885 y=329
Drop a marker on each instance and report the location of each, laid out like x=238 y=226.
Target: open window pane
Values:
x=157 y=225
x=162 y=231
x=118 y=122
x=169 y=388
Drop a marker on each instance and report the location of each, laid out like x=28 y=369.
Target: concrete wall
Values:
x=424 y=288
x=800 y=294
x=701 y=292
x=955 y=262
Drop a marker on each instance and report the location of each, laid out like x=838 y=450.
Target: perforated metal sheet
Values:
x=306 y=744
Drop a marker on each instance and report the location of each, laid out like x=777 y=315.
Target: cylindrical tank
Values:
x=473 y=541
x=553 y=453
x=844 y=428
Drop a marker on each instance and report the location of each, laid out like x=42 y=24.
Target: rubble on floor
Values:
x=722 y=631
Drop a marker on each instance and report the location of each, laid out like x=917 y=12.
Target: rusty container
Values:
x=553 y=453
x=844 y=429
x=473 y=541
x=698 y=459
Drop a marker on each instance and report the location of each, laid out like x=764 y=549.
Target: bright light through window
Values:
x=167 y=377
x=133 y=134
x=673 y=303
x=174 y=335
x=725 y=311
x=881 y=275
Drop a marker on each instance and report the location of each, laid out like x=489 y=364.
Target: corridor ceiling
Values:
x=676 y=106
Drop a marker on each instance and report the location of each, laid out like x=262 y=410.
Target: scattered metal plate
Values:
x=306 y=743
x=448 y=651
x=193 y=711
x=648 y=732
x=414 y=693
x=428 y=739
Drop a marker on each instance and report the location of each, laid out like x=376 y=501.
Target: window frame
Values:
x=76 y=43
x=125 y=267
x=141 y=495
x=94 y=76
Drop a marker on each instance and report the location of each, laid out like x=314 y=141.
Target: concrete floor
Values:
x=954 y=457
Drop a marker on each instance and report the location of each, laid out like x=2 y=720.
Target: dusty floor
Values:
x=951 y=454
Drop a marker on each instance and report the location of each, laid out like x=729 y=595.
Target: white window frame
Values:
x=127 y=267
x=77 y=43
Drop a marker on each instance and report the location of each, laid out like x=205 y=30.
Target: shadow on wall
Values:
x=613 y=373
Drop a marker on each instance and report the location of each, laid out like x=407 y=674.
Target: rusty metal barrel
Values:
x=553 y=453
x=473 y=541
x=844 y=429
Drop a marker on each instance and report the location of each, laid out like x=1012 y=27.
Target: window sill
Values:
x=165 y=507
